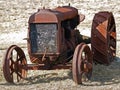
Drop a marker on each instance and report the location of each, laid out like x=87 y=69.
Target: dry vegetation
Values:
x=13 y=28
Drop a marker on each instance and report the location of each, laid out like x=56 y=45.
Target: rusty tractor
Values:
x=54 y=42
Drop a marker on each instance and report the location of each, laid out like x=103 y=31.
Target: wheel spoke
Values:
x=83 y=54
x=112 y=51
x=10 y=57
x=14 y=57
x=18 y=78
x=86 y=56
x=12 y=72
x=112 y=28
x=20 y=58
x=19 y=74
x=17 y=57
x=112 y=43
x=113 y=35
x=12 y=62
x=12 y=66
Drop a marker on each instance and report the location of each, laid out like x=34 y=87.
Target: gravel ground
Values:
x=13 y=28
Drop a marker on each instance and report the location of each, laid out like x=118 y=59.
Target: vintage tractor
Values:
x=54 y=41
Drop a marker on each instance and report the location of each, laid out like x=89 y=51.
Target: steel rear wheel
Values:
x=11 y=67
x=103 y=38
x=82 y=63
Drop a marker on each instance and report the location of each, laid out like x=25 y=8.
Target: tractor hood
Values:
x=53 y=16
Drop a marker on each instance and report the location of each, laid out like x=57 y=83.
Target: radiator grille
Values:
x=43 y=36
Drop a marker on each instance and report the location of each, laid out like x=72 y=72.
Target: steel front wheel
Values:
x=11 y=67
x=82 y=63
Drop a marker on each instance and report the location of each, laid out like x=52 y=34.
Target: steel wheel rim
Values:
x=11 y=66
x=76 y=78
x=86 y=59
x=111 y=35
x=103 y=38
x=78 y=68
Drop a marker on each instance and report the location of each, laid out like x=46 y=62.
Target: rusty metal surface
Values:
x=66 y=18
x=44 y=16
x=67 y=12
x=13 y=58
x=43 y=67
x=52 y=40
x=103 y=38
x=53 y=15
x=82 y=63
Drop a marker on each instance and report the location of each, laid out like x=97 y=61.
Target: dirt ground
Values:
x=104 y=78
x=13 y=28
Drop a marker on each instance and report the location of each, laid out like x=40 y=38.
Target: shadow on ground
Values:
x=102 y=75
x=106 y=75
